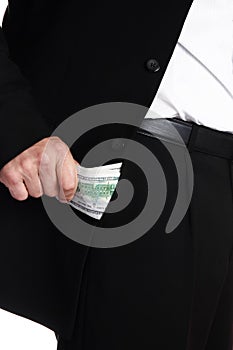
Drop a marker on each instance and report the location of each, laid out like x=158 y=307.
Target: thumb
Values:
x=67 y=177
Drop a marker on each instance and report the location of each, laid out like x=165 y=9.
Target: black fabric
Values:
x=65 y=57
x=212 y=224
x=136 y=295
x=21 y=122
x=72 y=55
x=166 y=290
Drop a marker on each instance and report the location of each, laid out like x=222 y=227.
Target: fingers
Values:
x=47 y=167
x=48 y=176
x=23 y=183
x=67 y=177
x=33 y=185
x=19 y=191
x=57 y=171
x=14 y=182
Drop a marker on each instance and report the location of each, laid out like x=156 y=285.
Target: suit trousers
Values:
x=166 y=291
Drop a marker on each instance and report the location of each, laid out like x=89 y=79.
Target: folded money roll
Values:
x=95 y=189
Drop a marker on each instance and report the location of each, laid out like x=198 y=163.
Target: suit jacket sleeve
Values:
x=22 y=124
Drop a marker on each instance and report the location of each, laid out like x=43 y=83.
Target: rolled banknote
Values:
x=95 y=188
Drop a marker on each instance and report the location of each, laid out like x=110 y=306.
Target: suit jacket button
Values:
x=152 y=65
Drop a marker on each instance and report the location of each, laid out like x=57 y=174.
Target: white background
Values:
x=18 y=333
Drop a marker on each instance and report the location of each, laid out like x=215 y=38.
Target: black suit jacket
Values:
x=57 y=58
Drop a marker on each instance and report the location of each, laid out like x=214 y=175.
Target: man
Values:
x=162 y=291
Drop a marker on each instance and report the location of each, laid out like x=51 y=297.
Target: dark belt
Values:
x=195 y=137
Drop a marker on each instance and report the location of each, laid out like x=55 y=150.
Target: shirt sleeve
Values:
x=21 y=123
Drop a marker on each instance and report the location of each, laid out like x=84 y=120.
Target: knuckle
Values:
x=12 y=179
x=13 y=182
x=6 y=171
x=45 y=161
x=55 y=138
x=60 y=147
x=26 y=165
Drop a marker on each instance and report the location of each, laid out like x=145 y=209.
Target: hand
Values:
x=47 y=167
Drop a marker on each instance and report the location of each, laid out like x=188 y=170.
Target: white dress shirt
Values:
x=198 y=83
